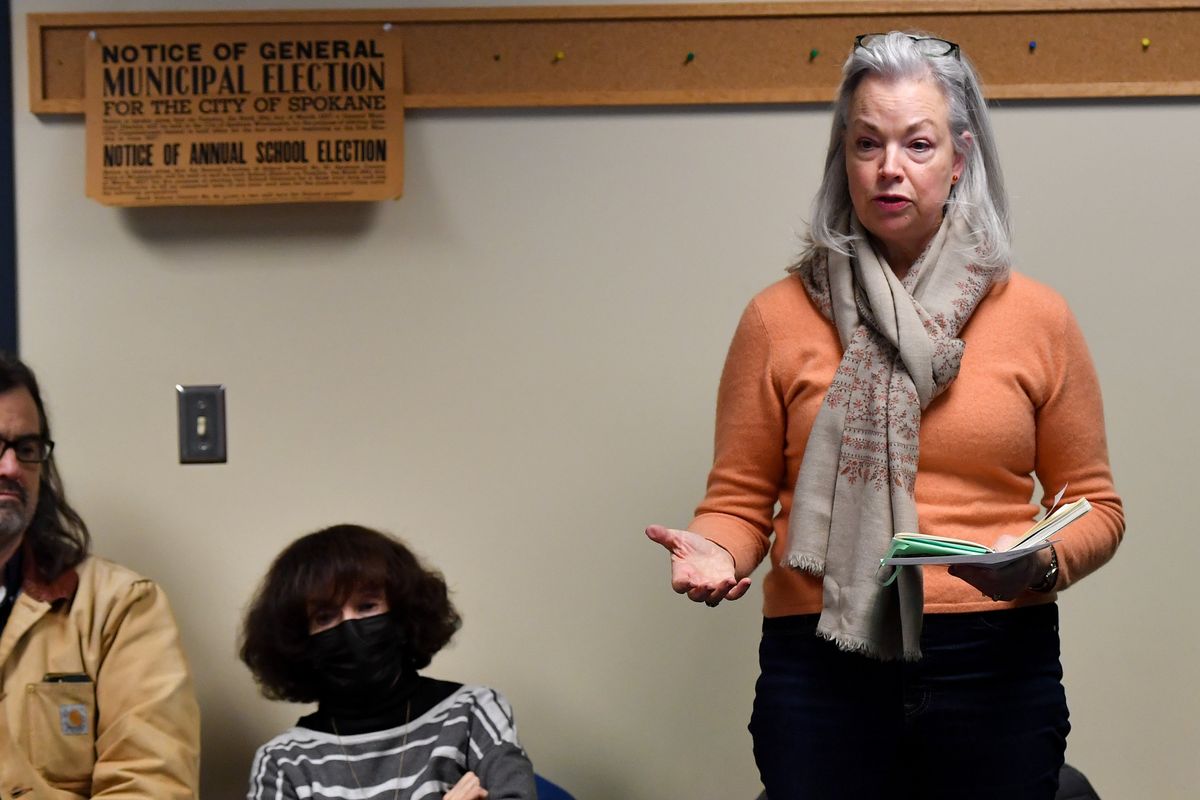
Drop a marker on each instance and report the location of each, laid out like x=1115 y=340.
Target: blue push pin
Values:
x=1032 y=45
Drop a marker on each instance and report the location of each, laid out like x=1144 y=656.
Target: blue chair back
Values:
x=547 y=790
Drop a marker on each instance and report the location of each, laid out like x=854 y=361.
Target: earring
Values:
x=954 y=179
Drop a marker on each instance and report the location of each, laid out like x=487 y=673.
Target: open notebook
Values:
x=921 y=548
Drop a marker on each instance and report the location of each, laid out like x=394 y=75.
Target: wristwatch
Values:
x=1050 y=577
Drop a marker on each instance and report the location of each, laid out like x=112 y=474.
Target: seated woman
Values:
x=346 y=617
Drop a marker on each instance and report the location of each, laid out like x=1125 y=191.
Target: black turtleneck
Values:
x=411 y=699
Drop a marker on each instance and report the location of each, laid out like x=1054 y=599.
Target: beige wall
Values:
x=514 y=368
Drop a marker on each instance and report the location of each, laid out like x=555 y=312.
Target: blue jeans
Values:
x=982 y=716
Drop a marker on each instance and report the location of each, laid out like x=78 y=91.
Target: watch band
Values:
x=1049 y=579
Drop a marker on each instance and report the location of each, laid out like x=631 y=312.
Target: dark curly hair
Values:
x=57 y=535
x=325 y=568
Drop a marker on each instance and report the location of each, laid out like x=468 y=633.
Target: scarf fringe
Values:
x=864 y=648
x=805 y=563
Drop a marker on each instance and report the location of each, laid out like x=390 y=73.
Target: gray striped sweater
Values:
x=472 y=730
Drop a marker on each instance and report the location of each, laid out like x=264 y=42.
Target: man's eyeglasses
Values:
x=28 y=449
x=928 y=45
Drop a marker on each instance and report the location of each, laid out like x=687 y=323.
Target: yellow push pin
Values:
x=559 y=56
x=1145 y=43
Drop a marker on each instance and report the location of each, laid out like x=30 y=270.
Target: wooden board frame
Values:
x=745 y=53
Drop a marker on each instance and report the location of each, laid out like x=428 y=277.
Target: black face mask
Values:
x=359 y=660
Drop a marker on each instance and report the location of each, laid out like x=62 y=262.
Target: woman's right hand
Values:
x=701 y=569
x=467 y=788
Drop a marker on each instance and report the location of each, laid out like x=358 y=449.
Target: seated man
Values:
x=96 y=698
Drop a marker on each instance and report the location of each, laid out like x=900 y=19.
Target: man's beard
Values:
x=14 y=517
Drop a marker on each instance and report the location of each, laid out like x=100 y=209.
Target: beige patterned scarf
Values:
x=856 y=482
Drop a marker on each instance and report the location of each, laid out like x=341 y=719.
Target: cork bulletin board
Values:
x=788 y=52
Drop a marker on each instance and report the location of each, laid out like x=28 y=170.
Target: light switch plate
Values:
x=201 y=424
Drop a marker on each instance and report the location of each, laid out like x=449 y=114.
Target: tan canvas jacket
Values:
x=96 y=699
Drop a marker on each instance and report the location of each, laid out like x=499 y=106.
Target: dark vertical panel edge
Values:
x=8 y=204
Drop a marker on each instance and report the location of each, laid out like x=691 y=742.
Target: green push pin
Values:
x=689 y=58
x=812 y=55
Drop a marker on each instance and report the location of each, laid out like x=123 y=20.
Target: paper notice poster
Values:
x=241 y=114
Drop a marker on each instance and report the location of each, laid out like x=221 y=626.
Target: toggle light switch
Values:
x=201 y=424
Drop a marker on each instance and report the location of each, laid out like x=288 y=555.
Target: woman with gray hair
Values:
x=903 y=378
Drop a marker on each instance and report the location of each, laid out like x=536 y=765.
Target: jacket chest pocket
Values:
x=62 y=736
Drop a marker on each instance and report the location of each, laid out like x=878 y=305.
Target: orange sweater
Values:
x=1026 y=401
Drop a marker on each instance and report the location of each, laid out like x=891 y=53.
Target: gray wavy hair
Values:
x=979 y=194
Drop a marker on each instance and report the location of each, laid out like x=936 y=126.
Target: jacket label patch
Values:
x=73 y=719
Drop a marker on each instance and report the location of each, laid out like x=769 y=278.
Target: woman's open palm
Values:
x=701 y=569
